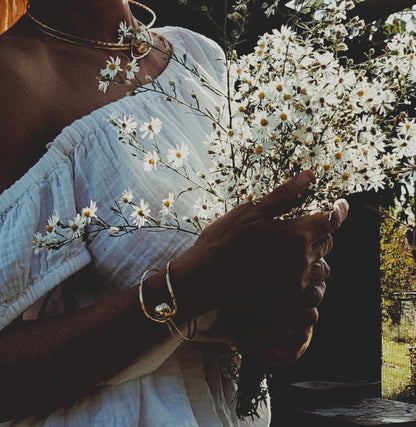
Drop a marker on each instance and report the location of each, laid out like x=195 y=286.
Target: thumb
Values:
x=287 y=196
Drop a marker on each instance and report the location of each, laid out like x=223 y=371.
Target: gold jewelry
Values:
x=138 y=49
x=163 y=313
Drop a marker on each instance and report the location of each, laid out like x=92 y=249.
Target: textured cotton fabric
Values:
x=172 y=385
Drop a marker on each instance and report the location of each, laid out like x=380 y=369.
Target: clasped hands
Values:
x=270 y=273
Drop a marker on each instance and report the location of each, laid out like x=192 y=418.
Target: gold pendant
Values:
x=139 y=49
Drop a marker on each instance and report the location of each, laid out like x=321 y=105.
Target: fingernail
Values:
x=305 y=178
x=316 y=271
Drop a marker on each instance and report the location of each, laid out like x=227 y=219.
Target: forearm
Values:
x=48 y=362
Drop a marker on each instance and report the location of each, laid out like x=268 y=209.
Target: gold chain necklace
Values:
x=138 y=48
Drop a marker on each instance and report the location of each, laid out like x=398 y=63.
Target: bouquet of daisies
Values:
x=296 y=102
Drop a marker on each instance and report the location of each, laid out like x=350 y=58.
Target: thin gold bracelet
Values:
x=163 y=313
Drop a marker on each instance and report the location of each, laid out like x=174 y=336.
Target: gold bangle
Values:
x=163 y=313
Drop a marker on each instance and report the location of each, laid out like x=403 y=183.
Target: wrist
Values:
x=191 y=292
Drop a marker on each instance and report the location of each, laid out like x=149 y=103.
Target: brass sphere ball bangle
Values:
x=164 y=313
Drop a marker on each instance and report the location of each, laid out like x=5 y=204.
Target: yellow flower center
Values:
x=258 y=149
x=112 y=66
x=264 y=122
x=338 y=156
x=283 y=117
x=345 y=176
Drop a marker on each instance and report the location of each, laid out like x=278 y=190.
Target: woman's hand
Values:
x=271 y=273
x=248 y=249
x=277 y=333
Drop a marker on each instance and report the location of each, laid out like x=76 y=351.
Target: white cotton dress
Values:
x=173 y=385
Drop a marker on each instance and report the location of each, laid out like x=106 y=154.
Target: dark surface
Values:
x=346 y=345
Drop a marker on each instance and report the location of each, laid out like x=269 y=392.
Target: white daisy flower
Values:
x=38 y=243
x=272 y=8
x=127 y=125
x=140 y=213
x=150 y=161
x=131 y=69
x=112 y=68
x=90 y=211
x=52 y=224
x=76 y=227
x=103 y=85
x=152 y=128
x=124 y=30
x=408 y=127
x=403 y=147
x=167 y=204
x=177 y=156
x=203 y=208
x=126 y=198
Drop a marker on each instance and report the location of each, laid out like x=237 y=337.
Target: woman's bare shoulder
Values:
x=21 y=57
x=20 y=103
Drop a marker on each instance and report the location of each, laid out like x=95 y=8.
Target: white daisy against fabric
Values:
x=292 y=105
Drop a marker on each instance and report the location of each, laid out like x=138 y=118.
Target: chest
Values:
x=61 y=89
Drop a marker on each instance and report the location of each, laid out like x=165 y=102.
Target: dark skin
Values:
x=284 y=258
x=43 y=91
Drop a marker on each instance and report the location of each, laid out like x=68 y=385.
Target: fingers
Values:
x=323 y=246
x=319 y=272
x=275 y=345
x=339 y=213
x=317 y=227
x=314 y=293
x=286 y=196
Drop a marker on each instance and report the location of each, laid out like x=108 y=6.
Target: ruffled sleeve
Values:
x=24 y=208
x=86 y=162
